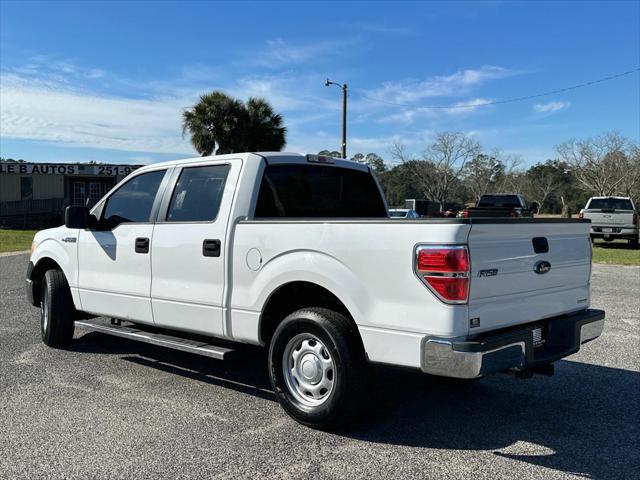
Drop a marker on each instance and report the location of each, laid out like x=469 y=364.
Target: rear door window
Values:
x=312 y=191
x=198 y=194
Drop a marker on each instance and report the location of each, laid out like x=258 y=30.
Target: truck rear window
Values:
x=499 y=201
x=610 y=204
x=314 y=191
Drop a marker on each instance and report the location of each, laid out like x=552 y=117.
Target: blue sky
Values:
x=107 y=81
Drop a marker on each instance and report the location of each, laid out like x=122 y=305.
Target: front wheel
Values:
x=317 y=367
x=56 y=310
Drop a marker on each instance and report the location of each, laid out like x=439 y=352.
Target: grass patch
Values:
x=615 y=253
x=15 y=240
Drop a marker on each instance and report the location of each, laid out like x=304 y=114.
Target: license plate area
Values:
x=607 y=230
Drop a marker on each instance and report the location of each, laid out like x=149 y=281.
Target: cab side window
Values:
x=198 y=194
x=133 y=201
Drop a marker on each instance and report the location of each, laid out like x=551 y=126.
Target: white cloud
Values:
x=94 y=73
x=47 y=112
x=41 y=106
x=60 y=101
x=280 y=53
x=550 y=107
x=467 y=106
x=458 y=83
x=458 y=110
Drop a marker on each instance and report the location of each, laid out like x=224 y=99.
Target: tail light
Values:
x=444 y=269
x=581 y=215
x=635 y=218
x=465 y=213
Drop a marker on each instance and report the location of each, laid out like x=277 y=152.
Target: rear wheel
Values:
x=633 y=242
x=56 y=310
x=317 y=367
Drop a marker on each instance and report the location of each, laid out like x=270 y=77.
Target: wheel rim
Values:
x=44 y=310
x=309 y=370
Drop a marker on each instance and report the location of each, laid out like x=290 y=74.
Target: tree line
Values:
x=454 y=170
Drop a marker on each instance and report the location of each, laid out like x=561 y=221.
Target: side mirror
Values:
x=76 y=217
x=535 y=207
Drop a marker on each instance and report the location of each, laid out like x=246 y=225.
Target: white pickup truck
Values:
x=612 y=218
x=297 y=253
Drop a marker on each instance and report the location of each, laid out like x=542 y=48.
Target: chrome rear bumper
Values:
x=511 y=349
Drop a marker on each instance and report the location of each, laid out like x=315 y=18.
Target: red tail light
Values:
x=581 y=215
x=445 y=270
x=466 y=213
x=635 y=218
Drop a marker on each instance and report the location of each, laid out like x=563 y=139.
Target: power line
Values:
x=508 y=100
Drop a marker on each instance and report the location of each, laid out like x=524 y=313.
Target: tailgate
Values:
x=514 y=280
x=600 y=218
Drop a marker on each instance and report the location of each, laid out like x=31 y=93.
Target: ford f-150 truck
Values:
x=612 y=218
x=298 y=254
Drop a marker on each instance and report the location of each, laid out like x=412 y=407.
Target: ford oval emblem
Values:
x=542 y=267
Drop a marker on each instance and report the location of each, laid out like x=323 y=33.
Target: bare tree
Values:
x=439 y=169
x=512 y=179
x=630 y=185
x=544 y=180
x=481 y=174
x=599 y=163
x=421 y=170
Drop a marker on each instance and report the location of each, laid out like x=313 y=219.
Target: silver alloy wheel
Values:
x=44 y=311
x=308 y=368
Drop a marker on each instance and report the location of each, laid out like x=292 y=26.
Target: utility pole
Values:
x=343 y=87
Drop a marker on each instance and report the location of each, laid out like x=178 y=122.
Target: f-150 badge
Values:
x=491 y=272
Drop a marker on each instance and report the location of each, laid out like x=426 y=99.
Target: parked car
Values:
x=612 y=218
x=423 y=208
x=297 y=254
x=405 y=213
x=510 y=205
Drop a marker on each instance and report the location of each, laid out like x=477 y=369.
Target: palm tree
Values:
x=264 y=128
x=215 y=119
x=218 y=119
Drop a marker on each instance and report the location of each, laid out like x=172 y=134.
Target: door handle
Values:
x=142 y=245
x=211 y=247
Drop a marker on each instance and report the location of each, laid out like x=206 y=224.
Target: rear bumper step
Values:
x=160 y=339
x=512 y=349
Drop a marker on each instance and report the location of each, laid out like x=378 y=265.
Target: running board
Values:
x=163 y=340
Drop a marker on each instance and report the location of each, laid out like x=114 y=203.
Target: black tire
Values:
x=56 y=310
x=346 y=354
x=633 y=243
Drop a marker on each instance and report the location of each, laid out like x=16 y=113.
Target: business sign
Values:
x=66 y=169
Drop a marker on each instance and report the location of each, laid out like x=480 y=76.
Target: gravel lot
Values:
x=111 y=408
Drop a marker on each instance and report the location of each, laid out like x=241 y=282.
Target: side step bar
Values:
x=163 y=340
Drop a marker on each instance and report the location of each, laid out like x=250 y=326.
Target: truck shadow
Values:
x=585 y=420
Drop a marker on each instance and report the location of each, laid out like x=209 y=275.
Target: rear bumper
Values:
x=615 y=232
x=511 y=349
